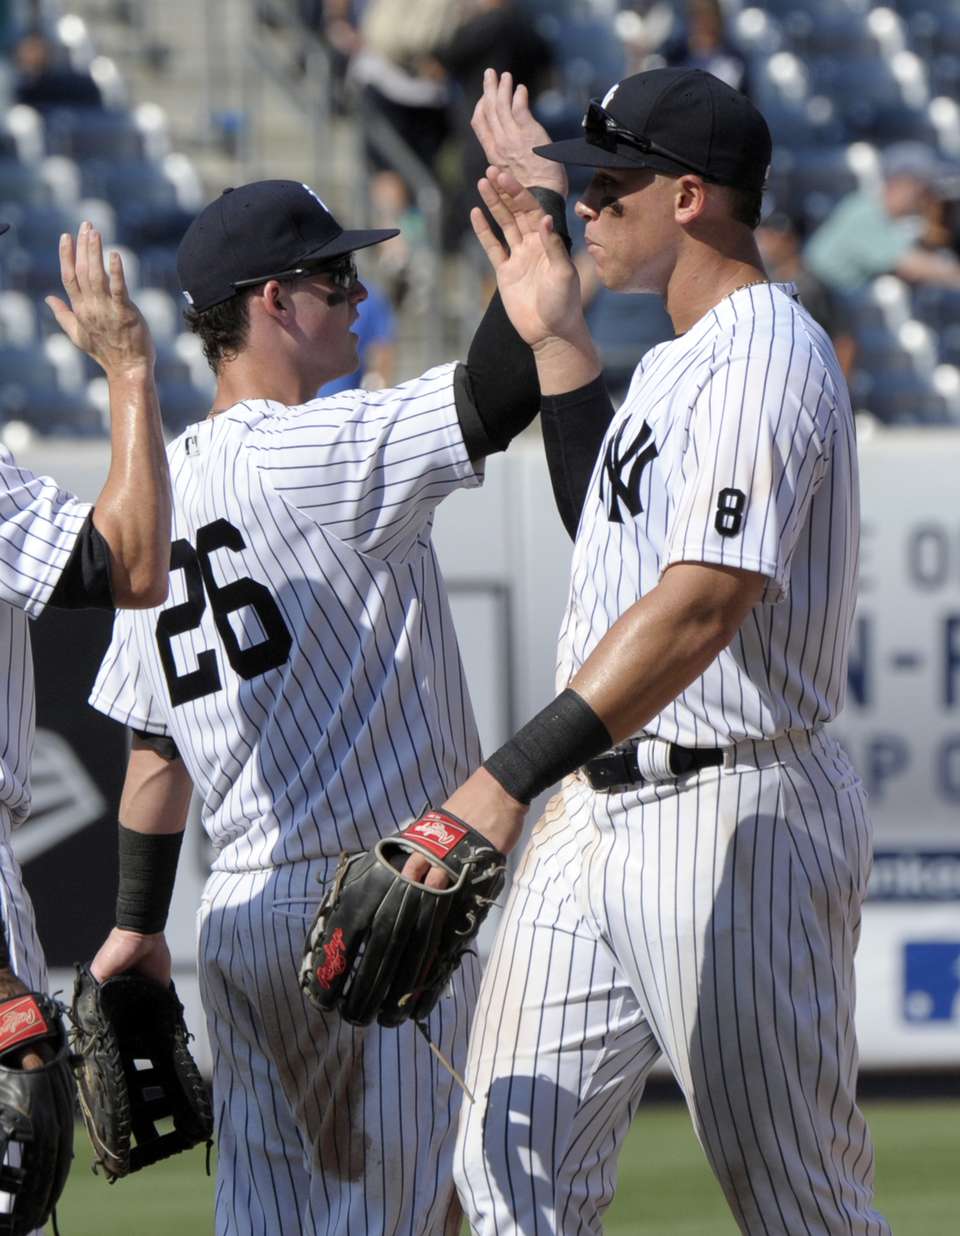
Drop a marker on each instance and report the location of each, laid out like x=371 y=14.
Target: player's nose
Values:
x=584 y=210
x=358 y=293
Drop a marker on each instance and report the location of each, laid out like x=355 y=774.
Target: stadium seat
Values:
x=121 y=183
x=162 y=313
x=18 y=320
x=85 y=134
x=23 y=182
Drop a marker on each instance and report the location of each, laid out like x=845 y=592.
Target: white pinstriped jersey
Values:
x=39 y=526
x=735 y=446
x=305 y=661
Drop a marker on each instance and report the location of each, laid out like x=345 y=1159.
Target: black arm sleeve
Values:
x=497 y=391
x=573 y=426
x=162 y=744
x=85 y=581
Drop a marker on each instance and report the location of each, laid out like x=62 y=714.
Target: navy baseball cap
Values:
x=258 y=231
x=673 y=120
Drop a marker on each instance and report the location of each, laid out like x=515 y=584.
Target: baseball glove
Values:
x=36 y=1111
x=385 y=947
x=125 y=1020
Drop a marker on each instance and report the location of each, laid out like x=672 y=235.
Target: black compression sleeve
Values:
x=497 y=392
x=85 y=582
x=162 y=744
x=573 y=426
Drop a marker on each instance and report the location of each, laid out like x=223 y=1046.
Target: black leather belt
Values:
x=619 y=768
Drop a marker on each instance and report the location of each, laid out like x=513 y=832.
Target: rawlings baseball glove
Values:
x=385 y=947
x=117 y=1023
x=36 y=1110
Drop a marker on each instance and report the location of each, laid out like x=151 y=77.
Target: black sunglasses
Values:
x=342 y=273
x=601 y=129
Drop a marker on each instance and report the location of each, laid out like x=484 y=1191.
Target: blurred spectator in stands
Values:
x=703 y=43
x=376 y=332
x=400 y=78
x=499 y=35
x=780 y=240
x=397 y=266
x=46 y=79
x=870 y=234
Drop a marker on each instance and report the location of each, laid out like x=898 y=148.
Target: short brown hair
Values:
x=222 y=328
x=745 y=205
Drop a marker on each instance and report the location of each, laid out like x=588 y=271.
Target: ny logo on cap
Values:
x=608 y=97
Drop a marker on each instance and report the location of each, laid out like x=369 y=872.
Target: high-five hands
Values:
x=508 y=131
x=537 y=280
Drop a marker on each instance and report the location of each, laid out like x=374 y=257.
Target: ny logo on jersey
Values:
x=623 y=471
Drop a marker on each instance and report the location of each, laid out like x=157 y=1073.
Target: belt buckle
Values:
x=614 y=772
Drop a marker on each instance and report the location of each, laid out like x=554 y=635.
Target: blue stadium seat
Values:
x=181 y=404
x=158 y=269
x=121 y=183
x=904 y=398
x=36 y=228
x=35 y=272
x=22 y=182
x=86 y=134
x=30 y=392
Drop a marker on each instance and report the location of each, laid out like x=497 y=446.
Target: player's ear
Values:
x=274 y=301
x=690 y=199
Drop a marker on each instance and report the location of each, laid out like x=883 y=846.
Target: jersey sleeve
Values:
x=757 y=449
x=370 y=466
x=122 y=689
x=39 y=527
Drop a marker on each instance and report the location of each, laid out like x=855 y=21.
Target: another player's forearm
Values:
x=153 y=814
x=133 y=511
x=651 y=654
x=663 y=643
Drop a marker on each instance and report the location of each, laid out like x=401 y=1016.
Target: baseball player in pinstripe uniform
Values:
x=304 y=678
x=693 y=892
x=56 y=550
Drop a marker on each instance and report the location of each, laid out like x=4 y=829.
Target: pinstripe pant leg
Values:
x=343 y=1131
x=558 y=1057
x=262 y=1185
x=23 y=944
x=734 y=905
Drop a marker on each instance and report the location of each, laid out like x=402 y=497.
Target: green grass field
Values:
x=665 y=1188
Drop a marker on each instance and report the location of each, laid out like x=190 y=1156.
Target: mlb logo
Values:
x=931 y=981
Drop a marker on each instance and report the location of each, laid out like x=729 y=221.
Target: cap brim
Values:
x=579 y=151
x=347 y=242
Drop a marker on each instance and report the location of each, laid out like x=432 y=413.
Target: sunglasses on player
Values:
x=603 y=130
x=341 y=272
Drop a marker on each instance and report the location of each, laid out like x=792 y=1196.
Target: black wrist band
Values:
x=148 y=868
x=553 y=204
x=559 y=739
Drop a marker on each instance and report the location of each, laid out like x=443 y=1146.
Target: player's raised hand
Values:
x=537 y=280
x=508 y=131
x=100 y=319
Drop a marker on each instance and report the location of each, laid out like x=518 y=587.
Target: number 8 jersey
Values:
x=735 y=446
x=305 y=661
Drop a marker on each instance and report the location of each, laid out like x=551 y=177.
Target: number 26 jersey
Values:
x=735 y=446
x=305 y=661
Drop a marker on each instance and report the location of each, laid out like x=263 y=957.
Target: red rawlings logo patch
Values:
x=20 y=1020
x=335 y=960
x=436 y=832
